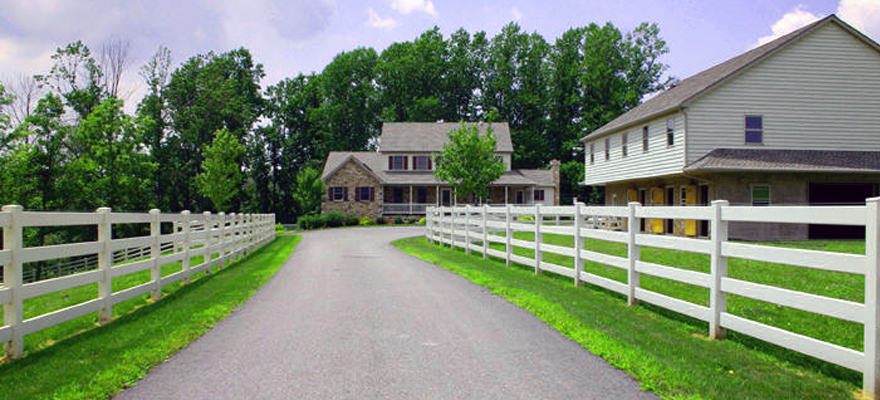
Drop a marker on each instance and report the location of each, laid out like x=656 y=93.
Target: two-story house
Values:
x=793 y=122
x=398 y=179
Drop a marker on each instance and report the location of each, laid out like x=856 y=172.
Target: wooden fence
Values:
x=217 y=237
x=474 y=228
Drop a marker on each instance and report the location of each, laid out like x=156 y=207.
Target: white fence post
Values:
x=578 y=244
x=718 y=270
x=453 y=214
x=209 y=228
x=539 y=238
x=871 y=377
x=467 y=229
x=12 y=311
x=508 y=233
x=428 y=234
x=485 y=232
x=186 y=245
x=105 y=260
x=156 y=254
x=221 y=224
x=632 y=255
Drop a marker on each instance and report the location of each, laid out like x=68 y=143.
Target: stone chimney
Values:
x=557 y=187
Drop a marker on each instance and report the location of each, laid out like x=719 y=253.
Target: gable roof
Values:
x=689 y=89
x=431 y=136
x=720 y=160
x=376 y=164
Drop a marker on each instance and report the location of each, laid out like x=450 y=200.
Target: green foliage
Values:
x=308 y=222
x=527 y=218
x=422 y=221
x=381 y=221
x=334 y=219
x=468 y=161
x=398 y=220
x=280 y=228
x=309 y=191
x=351 y=220
x=221 y=174
x=366 y=221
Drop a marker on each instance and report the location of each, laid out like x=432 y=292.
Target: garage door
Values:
x=839 y=194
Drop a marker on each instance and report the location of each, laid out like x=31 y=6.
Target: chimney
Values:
x=554 y=171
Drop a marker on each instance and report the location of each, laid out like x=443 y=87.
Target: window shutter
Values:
x=405 y=162
x=390 y=162
x=429 y=163
x=345 y=193
x=330 y=193
x=372 y=193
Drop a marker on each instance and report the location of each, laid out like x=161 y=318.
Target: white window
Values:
x=682 y=200
x=623 y=144
x=397 y=163
x=422 y=163
x=364 y=193
x=670 y=131
x=760 y=195
x=754 y=129
x=645 y=139
x=338 y=193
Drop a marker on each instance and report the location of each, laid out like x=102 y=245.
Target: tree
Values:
x=221 y=175
x=468 y=161
x=309 y=192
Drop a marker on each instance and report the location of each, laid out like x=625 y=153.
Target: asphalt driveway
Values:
x=351 y=317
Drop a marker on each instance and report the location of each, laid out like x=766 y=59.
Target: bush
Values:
x=380 y=221
x=398 y=220
x=280 y=228
x=365 y=221
x=334 y=219
x=527 y=218
x=351 y=220
x=422 y=221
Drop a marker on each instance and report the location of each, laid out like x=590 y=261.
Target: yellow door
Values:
x=690 y=226
x=657 y=196
x=632 y=195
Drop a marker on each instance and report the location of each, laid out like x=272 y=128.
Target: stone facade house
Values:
x=398 y=179
x=792 y=122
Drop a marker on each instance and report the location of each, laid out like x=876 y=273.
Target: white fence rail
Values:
x=474 y=228
x=217 y=237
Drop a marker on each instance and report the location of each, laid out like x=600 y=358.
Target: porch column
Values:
x=438 y=196
x=505 y=195
x=410 y=200
x=455 y=197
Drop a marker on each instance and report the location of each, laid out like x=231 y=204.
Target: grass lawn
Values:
x=100 y=361
x=667 y=352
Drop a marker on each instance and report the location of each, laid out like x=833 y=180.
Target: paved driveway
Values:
x=351 y=317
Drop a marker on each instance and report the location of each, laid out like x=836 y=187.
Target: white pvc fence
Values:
x=218 y=237
x=474 y=228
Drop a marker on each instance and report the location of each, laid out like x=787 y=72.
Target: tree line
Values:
x=208 y=136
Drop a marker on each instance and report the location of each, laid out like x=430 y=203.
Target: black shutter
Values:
x=372 y=193
x=405 y=162
x=390 y=163
x=330 y=193
x=345 y=193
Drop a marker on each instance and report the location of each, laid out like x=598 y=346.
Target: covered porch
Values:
x=415 y=199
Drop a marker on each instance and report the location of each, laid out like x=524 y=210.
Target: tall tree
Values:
x=221 y=176
x=468 y=161
x=153 y=112
x=76 y=76
x=348 y=115
x=309 y=191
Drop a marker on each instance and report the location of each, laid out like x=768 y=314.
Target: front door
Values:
x=445 y=198
x=519 y=197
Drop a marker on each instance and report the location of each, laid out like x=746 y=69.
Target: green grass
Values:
x=667 y=353
x=101 y=361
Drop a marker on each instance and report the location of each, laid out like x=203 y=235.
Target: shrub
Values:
x=366 y=221
x=527 y=218
x=280 y=228
x=334 y=219
x=422 y=221
x=398 y=220
x=309 y=222
x=380 y=221
x=351 y=220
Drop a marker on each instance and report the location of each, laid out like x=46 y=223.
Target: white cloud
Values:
x=864 y=15
x=791 y=21
x=375 y=21
x=517 y=15
x=408 y=6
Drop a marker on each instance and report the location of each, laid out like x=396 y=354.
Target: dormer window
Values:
x=754 y=129
x=422 y=163
x=396 y=163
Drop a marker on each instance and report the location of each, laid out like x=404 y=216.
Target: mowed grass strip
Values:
x=667 y=353
x=100 y=362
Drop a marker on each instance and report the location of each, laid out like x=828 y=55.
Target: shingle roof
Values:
x=431 y=136
x=377 y=164
x=788 y=161
x=688 y=89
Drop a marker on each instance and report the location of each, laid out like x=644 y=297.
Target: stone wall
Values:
x=351 y=175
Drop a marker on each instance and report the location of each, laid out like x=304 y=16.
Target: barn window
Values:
x=754 y=129
x=760 y=195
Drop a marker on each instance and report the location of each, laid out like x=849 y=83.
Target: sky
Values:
x=294 y=36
